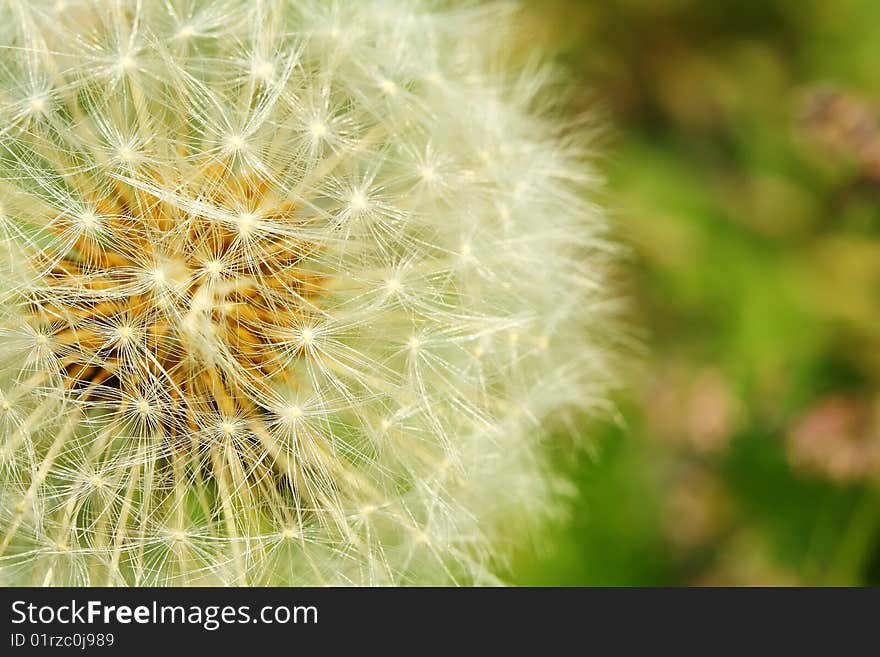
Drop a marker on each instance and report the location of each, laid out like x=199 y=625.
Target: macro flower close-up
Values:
x=291 y=292
x=305 y=297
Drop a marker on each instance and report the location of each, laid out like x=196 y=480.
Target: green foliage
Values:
x=751 y=204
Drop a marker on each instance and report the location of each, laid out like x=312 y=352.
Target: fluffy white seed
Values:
x=290 y=292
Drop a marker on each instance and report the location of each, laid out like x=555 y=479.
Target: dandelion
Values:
x=291 y=293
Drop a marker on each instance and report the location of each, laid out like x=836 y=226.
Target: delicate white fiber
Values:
x=290 y=292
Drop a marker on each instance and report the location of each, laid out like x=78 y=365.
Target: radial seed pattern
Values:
x=290 y=292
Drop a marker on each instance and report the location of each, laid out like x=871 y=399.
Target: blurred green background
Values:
x=743 y=165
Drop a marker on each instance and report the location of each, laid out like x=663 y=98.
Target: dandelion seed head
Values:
x=387 y=86
x=126 y=63
x=159 y=275
x=245 y=223
x=214 y=267
x=125 y=333
x=307 y=337
x=263 y=70
x=358 y=202
x=37 y=105
x=291 y=292
x=127 y=154
x=89 y=220
x=292 y=413
x=235 y=142
x=318 y=130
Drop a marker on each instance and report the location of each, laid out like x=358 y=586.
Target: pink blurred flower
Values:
x=698 y=410
x=837 y=438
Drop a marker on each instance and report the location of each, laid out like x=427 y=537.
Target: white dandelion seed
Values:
x=290 y=292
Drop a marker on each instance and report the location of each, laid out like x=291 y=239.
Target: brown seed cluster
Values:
x=169 y=312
